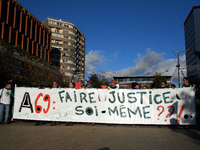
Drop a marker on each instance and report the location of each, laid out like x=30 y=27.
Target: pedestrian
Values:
x=41 y=86
x=71 y=85
x=144 y=87
x=89 y=85
x=173 y=86
x=135 y=85
x=5 y=101
x=83 y=86
x=163 y=84
x=186 y=83
x=55 y=85
x=113 y=85
x=12 y=99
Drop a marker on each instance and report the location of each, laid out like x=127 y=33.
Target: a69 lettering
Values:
x=38 y=108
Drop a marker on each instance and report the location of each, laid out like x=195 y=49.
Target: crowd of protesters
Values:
x=7 y=97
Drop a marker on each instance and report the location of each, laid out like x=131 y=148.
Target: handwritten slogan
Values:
x=120 y=106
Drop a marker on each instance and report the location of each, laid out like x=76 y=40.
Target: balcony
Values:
x=56 y=44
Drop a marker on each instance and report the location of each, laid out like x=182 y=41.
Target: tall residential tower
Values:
x=192 y=40
x=69 y=41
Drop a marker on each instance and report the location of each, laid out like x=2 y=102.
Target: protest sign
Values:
x=119 y=106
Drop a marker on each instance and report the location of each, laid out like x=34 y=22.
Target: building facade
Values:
x=70 y=42
x=20 y=27
x=126 y=81
x=192 y=40
x=31 y=40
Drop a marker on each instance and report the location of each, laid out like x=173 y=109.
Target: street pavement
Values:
x=24 y=135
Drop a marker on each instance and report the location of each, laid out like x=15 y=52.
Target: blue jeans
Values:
x=4 y=108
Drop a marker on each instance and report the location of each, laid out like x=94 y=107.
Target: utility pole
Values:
x=178 y=65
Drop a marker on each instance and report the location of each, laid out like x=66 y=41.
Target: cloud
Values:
x=143 y=63
x=96 y=59
x=114 y=55
x=93 y=60
x=153 y=62
x=146 y=64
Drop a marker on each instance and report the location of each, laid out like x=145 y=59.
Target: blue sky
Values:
x=124 y=37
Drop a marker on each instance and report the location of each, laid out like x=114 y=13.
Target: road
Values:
x=24 y=135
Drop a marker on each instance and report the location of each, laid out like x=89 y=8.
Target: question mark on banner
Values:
x=170 y=112
x=183 y=106
x=161 y=111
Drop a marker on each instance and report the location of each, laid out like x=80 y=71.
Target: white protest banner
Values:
x=120 y=106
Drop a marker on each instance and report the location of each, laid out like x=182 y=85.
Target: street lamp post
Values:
x=178 y=65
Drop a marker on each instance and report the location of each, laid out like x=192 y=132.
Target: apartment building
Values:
x=19 y=27
x=192 y=40
x=68 y=43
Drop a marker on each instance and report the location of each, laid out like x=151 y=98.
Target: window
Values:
x=66 y=31
x=66 y=43
x=65 y=36
x=66 y=49
x=71 y=50
x=70 y=26
x=70 y=32
x=50 y=21
x=66 y=25
x=57 y=35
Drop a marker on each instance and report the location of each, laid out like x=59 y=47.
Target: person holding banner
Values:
x=186 y=83
x=71 y=85
x=5 y=101
x=89 y=85
x=163 y=84
x=41 y=86
x=113 y=85
x=55 y=85
x=135 y=85
x=173 y=86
